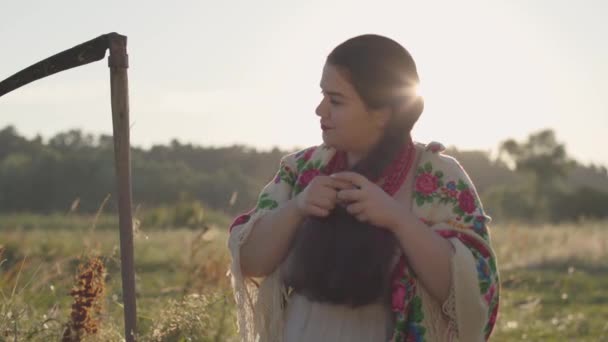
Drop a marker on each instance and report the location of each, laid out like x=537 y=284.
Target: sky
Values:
x=217 y=73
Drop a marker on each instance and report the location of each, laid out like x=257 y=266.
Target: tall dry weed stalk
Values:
x=1 y=254
x=88 y=293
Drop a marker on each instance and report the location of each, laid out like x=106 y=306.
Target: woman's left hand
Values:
x=368 y=202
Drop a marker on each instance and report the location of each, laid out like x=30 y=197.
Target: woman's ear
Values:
x=412 y=110
x=382 y=116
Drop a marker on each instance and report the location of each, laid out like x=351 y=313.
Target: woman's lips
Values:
x=325 y=128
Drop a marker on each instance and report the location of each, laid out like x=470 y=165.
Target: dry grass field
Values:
x=554 y=281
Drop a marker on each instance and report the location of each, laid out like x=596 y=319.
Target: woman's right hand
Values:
x=320 y=196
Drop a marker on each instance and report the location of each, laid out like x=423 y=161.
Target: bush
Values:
x=184 y=214
x=583 y=203
x=510 y=203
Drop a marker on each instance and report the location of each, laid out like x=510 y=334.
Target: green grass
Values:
x=558 y=301
x=554 y=280
x=174 y=269
x=27 y=221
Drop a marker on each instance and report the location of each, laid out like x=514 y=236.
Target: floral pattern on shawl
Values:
x=295 y=172
x=293 y=177
x=452 y=191
x=435 y=186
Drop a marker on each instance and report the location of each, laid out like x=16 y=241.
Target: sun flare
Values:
x=418 y=91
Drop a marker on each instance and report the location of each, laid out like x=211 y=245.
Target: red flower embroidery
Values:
x=466 y=201
x=242 y=219
x=467 y=240
x=492 y=320
x=398 y=297
x=490 y=294
x=307 y=176
x=426 y=183
x=308 y=154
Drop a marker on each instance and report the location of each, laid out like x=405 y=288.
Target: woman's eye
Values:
x=332 y=100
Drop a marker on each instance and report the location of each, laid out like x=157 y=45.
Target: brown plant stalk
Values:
x=88 y=293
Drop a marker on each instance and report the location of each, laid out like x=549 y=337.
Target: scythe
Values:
x=88 y=52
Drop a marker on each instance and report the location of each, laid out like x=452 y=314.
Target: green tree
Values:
x=544 y=160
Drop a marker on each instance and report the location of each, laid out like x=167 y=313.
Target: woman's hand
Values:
x=368 y=202
x=320 y=196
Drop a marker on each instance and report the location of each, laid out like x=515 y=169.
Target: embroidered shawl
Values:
x=444 y=198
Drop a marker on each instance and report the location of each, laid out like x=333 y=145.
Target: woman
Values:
x=369 y=236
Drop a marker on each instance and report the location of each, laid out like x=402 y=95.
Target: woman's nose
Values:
x=321 y=109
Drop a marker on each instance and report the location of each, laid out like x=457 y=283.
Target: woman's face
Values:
x=346 y=122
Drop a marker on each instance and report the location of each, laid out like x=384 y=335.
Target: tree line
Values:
x=530 y=180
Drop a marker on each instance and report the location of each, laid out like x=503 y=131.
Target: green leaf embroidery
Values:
x=419 y=170
x=268 y=204
x=493 y=265
x=418 y=315
x=416 y=303
x=419 y=201
x=300 y=164
x=468 y=219
x=283 y=177
x=317 y=164
x=286 y=176
x=458 y=211
x=428 y=167
x=422 y=331
x=291 y=180
x=438 y=174
x=400 y=325
x=461 y=185
x=484 y=285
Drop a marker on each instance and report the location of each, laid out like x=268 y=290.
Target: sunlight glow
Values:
x=418 y=90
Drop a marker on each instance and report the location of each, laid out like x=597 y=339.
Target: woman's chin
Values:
x=327 y=139
x=332 y=142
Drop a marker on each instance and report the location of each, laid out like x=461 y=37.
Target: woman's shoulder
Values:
x=439 y=172
x=433 y=155
x=318 y=154
x=443 y=191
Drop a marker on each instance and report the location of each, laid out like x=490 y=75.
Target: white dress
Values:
x=308 y=321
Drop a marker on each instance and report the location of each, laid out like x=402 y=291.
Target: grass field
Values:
x=554 y=280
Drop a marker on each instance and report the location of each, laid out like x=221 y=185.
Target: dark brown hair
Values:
x=384 y=75
x=338 y=259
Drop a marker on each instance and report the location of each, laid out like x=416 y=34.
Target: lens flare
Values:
x=418 y=90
